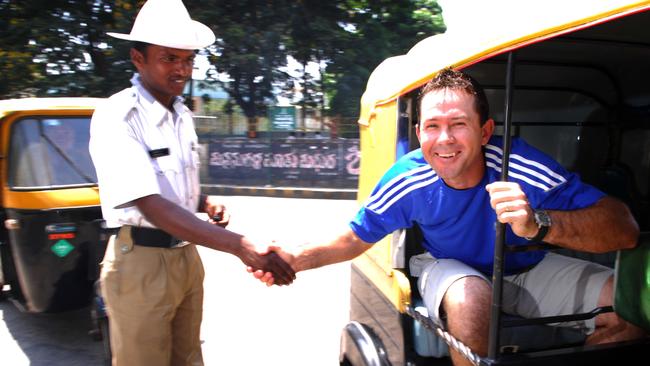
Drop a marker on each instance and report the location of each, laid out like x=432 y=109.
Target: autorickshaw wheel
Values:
x=2 y=277
x=8 y=274
x=2 y=280
x=345 y=362
x=5 y=276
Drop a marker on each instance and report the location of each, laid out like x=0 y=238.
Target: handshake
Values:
x=271 y=265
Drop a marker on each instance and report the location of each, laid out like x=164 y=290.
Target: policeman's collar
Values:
x=152 y=106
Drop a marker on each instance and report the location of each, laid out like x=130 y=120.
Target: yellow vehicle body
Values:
x=12 y=110
x=563 y=40
x=49 y=203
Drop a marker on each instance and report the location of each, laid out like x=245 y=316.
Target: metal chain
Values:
x=446 y=336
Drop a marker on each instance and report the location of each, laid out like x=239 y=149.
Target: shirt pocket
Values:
x=169 y=177
x=193 y=169
x=195 y=155
x=165 y=165
x=195 y=160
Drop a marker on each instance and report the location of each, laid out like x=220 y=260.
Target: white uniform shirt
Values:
x=140 y=148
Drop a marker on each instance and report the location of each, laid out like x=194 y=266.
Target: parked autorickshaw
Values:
x=573 y=79
x=50 y=239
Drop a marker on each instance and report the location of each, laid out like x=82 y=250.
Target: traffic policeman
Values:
x=145 y=152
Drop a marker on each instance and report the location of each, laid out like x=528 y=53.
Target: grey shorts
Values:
x=558 y=285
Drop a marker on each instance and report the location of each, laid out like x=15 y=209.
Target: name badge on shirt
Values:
x=157 y=153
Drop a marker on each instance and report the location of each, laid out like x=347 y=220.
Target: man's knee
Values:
x=466 y=305
x=469 y=291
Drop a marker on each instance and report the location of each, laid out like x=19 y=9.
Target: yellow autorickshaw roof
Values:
x=32 y=104
x=479 y=29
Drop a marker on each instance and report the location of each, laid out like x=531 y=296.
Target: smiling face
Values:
x=163 y=71
x=451 y=136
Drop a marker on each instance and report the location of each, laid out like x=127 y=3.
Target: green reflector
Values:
x=62 y=248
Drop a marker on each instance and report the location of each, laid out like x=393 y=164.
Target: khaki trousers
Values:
x=154 y=302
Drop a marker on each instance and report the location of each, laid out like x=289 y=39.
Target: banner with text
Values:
x=297 y=163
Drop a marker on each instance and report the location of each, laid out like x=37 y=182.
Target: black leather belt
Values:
x=147 y=237
x=111 y=230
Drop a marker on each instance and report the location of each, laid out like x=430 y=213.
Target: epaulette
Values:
x=123 y=102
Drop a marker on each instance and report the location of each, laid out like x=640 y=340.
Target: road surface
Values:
x=245 y=323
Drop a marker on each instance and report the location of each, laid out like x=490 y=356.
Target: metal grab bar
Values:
x=556 y=318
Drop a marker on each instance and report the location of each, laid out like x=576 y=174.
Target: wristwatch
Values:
x=543 y=221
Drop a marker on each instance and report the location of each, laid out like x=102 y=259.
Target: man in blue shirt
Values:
x=450 y=187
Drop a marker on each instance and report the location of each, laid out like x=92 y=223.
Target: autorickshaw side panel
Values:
x=376 y=303
x=369 y=307
x=378 y=138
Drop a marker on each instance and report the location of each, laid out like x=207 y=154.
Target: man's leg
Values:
x=561 y=285
x=186 y=326
x=134 y=287
x=467 y=306
x=609 y=326
x=464 y=295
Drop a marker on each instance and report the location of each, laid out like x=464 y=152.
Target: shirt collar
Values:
x=152 y=106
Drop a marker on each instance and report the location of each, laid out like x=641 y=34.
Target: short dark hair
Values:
x=457 y=80
x=140 y=47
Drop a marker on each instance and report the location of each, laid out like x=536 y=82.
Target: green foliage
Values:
x=378 y=29
x=249 y=49
x=57 y=47
x=60 y=47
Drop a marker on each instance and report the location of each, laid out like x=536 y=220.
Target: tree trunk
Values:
x=252 y=127
x=303 y=104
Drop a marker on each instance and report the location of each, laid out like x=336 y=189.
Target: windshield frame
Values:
x=38 y=158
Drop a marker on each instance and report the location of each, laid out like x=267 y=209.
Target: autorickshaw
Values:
x=572 y=78
x=50 y=239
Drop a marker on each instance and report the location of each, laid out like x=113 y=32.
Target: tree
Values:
x=315 y=36
x=59 y=47
x=347 y=38
x=249 y=51
x=378 y=29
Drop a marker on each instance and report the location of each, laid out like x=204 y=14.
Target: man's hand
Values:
x=216 y=212
x=267 y=277
x=268 y=266
x=307 y=256
x=511 y=206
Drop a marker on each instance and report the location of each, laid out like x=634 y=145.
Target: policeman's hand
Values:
x=281 y=271
x=511 y=206
x=268 y=265
x=216 y=212
x=267 y=277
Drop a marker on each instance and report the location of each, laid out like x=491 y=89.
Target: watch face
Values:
x=542 y=218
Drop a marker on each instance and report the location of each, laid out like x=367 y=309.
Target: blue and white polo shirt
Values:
x=460 y=224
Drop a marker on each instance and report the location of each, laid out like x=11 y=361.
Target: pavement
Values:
x=244 y=323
